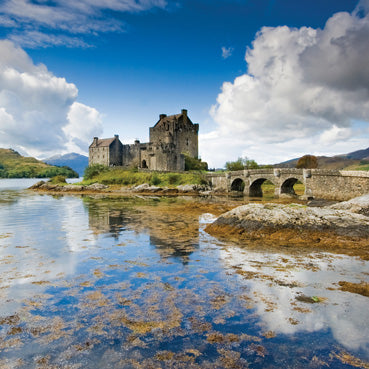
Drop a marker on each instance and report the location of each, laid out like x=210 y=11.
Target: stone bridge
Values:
x=319 y=183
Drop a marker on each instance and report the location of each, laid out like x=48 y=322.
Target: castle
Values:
x=170 y=138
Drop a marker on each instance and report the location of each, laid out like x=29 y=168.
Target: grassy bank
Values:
x=116 y=176
x=14 y=165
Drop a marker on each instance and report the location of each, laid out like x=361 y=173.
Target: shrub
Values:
x=240 y=164
x=58 y=179
x=194 y=163
x=173 y=178
x=307 y=162
x=155 y=180
x=94 y=170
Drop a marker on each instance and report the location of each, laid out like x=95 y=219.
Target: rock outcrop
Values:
x=295 y=224
x=359 y=205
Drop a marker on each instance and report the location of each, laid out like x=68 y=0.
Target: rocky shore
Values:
x=340 y=227
x=140 y=189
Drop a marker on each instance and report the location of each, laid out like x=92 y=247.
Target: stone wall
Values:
x=337 y=185
x=98 y=155
x=115 y=153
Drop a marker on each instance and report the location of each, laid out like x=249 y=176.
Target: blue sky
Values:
x=113 y=66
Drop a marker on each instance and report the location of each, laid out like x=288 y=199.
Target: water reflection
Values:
x=170 y=235
x=137 y=283
x=278 y=284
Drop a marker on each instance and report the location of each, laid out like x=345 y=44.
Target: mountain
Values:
x=73 y=160
x=14 y=165
x=359 y=155
x=357 y=160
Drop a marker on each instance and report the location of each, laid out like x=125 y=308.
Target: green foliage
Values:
x=307 y=162
x=173 y=178
x=13 y=165
x=94 y=170
x=194 y=163
x=58 y=179
x=53 y=171
x=240 y=164
x=155 y=180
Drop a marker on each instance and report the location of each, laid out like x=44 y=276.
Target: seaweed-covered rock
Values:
x=276 y=225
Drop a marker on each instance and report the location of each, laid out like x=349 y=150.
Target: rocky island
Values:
x=343 y=226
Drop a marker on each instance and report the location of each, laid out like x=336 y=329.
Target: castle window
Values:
x=143 y=164
x=187 y=141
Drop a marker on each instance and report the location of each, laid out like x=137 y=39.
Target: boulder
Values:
x=153 y=189
x=141 y=188
x=37 y=185
x=293 y=223
x=71 y=188
x=186 y=188
x=359 y=205
x=96 y=187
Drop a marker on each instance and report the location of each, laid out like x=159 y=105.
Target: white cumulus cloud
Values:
x=304 y=88
x=39 y=113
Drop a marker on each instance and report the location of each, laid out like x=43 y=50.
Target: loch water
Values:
x=136 y=282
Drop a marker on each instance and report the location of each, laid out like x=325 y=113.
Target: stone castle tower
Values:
x=171 y=138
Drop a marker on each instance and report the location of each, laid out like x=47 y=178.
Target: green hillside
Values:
x=14 y=165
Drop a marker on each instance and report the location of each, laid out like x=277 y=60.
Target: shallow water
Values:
x=97 y=282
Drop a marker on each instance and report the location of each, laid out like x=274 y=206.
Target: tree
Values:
x=240 y=164
x=307 y=162
x=194 y=163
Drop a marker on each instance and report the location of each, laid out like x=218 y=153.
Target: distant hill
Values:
x=14 y=165
x=357 y=160
x=73 y=160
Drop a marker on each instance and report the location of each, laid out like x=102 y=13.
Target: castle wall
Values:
x=187 y=140
x=115 y=153
x=131 y=155
x=99 y=155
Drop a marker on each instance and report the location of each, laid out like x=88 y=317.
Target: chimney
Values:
x=95 y=140
x=116 y=136
x=161 y=116
x=184 y=113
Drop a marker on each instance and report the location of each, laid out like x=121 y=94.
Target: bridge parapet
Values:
x=319 y=183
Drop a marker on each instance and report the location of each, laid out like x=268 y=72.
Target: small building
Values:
x=106 y=151
x=171 y=138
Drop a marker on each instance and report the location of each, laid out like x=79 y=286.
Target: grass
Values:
x=115 y=176
x=268 y=189
x=358 y=167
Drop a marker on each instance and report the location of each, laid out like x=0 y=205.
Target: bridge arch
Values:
x=287 y=186
x=238 y=185
x=255 y=189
